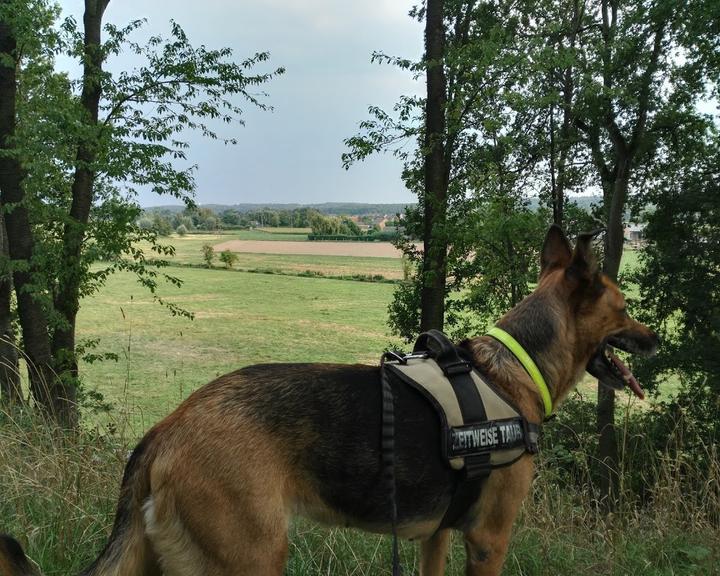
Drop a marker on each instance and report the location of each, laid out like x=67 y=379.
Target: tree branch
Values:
x=639 y=130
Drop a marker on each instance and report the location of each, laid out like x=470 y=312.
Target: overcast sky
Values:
x=293 y=153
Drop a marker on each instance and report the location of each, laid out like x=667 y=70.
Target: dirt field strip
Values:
x=368 y=249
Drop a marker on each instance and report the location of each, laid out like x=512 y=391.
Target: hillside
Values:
x=330 y=208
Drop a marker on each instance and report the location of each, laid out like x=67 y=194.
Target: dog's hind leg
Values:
x=433 y=553
x=211 y=533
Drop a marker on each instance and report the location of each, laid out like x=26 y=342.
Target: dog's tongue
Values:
x=630 y=380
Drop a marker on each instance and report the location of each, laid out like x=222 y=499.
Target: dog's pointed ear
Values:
x=556 y=251
x=584 y=264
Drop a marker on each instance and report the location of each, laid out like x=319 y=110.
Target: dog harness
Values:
x=481 y=428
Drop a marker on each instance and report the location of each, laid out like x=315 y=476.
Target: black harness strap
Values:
x=457 y=370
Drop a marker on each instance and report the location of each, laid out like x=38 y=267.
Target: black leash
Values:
x=388 y=456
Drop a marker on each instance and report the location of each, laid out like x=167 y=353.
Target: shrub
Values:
x=161 y=225
x=228 y=258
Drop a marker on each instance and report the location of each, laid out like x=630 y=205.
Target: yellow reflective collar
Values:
x=524 y=358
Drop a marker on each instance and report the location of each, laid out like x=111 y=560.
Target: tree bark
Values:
x=45 y=387
x=10 y=392
x=556 y=206
x=615 y=189
x=67 y=297
x=432 y=296
x=614 y=243
x=607 y=442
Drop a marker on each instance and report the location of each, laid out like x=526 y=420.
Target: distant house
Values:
x=635 y=234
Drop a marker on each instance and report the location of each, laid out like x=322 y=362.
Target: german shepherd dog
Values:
x=210 y=489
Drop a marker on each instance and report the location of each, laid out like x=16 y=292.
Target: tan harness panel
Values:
x=427 y=377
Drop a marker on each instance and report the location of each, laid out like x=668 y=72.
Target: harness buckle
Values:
x=531 y=433
x=453 y=368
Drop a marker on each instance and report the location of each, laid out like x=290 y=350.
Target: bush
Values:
x=228 y=258
x=181 y=230
x=161 y=225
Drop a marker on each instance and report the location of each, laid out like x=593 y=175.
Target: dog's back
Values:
x=326 y=420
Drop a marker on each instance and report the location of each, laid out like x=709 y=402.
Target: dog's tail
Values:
x=128 y=551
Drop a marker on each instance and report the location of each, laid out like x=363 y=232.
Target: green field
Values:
x=280 y=234
x=199 y=238
x=240 y=319
x=333 y=266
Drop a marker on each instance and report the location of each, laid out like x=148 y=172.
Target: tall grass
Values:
x=58 y=493
x=57 y=490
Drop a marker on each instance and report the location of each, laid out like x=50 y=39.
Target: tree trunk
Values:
x=432 y=296
x=614 y=239
x=607 y=448
x=67 y=298
x=10 y=392
x=615 y=188
x=556 y=206
x=45 y=387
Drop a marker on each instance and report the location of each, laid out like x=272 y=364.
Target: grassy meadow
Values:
x=58 y=494
x=239 y=319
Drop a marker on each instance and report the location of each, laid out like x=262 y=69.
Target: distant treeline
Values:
x=329 y=208
x=167 y=220
x=327 y=221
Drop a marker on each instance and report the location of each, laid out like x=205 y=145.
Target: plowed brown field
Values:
x=367 y=249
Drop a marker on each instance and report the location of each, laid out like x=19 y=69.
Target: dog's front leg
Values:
x=487 y=539
x=485 y=553
x=433 y=554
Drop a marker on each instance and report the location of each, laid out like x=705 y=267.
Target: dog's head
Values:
x=599 y=318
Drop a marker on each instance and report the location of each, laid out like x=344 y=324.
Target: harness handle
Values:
x=443 y=351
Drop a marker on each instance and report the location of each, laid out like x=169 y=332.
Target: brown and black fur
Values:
x=210 y=489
